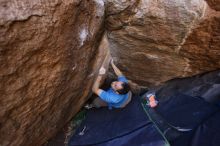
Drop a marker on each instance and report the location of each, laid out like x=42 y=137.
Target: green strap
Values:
x=155 y=125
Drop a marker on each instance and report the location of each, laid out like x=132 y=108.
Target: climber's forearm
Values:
x=96 y=85
x=116 y=70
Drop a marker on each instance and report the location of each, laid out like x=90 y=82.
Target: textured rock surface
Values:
x=154 y=41
x=215 y=4
x=49 y=57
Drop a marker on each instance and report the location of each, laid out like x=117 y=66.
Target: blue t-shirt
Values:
x=113 y=99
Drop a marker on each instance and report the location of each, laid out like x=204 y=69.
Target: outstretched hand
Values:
x=112 y=62
x=115 y=68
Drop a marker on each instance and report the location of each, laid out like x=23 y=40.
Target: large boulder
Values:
x=155 y=41
x=215 y=4
x=49 y=58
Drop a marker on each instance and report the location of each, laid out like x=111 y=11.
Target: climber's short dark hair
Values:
x=125 y=88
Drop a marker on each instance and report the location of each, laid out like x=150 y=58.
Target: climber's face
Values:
x=117 y=85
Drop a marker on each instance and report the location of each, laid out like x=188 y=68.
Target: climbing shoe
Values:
x=88 y=106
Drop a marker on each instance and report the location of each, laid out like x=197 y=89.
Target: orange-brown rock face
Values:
x=155 y=41
x=215 y=4
x=48 y=55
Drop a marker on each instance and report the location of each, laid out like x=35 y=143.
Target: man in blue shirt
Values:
x=117 y=96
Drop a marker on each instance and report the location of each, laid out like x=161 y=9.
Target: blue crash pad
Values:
x=127 y=126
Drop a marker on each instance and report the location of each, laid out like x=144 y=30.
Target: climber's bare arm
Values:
x=96 y=86
x=116 y=70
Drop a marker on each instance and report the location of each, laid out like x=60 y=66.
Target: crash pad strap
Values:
x=155 y=125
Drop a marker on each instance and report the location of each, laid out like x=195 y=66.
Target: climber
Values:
x=117 y=96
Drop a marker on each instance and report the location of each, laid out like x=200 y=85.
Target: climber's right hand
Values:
x=102 y=71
